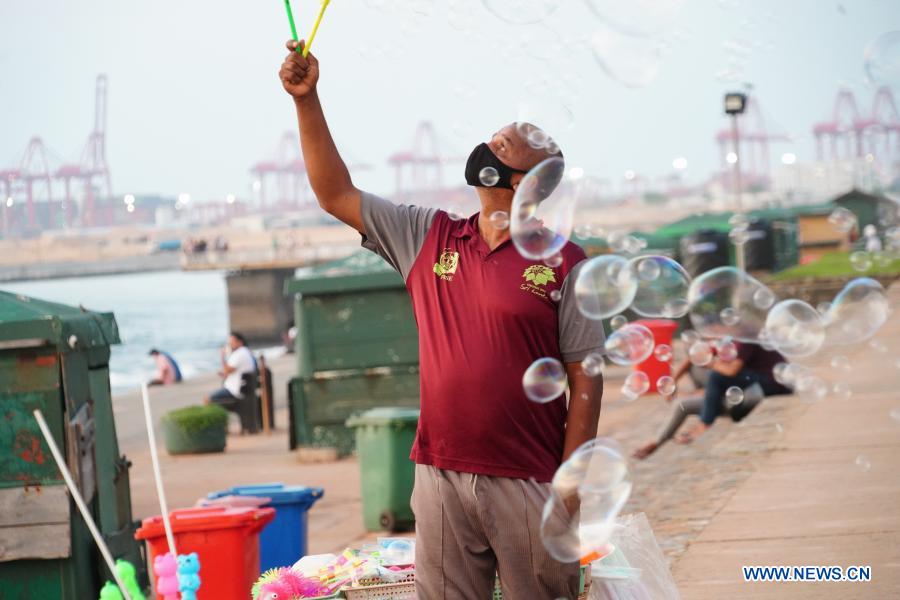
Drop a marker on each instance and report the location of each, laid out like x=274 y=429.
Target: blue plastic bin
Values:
x=283 y=541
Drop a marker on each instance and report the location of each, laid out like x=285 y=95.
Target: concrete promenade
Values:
x=798 y=482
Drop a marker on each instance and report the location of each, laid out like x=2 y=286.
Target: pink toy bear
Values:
x=165 y=568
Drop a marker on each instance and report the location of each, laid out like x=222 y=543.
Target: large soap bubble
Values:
x=632 y=61
x=629 y=345
x=882 y=59
x=545 y=380
x=543 y=208
x=637 y=17
x=717 y=290
x=795 y=328
x=661 y=283
x=603 y=287
x=520 y=12
x=857 y=313
x=587 y=493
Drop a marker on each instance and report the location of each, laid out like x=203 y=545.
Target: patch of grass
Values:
x=837 y=264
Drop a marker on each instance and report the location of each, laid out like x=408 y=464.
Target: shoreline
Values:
x=41 y=271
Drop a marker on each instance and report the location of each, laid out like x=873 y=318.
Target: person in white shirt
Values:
x=235 y=363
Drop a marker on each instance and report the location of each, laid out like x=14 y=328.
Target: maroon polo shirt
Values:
x=482 y=322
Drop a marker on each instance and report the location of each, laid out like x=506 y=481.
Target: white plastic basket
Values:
x=377 y=589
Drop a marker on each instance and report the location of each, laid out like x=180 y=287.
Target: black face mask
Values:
x=483 y=157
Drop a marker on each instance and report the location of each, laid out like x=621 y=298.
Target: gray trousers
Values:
x=471 y=528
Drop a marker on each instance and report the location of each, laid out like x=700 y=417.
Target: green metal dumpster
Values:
x=357 y=348
x=55 y=358
x=384 y=438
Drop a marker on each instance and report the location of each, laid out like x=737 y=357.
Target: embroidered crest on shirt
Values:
x=446 y=265
x=536 y=276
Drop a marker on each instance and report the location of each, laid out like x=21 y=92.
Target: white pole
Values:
x=79 y=501
x=160 y=492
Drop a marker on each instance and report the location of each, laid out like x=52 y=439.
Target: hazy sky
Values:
x=194 y=98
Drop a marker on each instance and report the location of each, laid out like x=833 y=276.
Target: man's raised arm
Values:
x=328 y=175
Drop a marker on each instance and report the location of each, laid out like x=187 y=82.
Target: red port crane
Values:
x=850 y=134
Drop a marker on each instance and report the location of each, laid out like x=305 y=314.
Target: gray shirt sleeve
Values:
x=578 y=335
x=395 y=232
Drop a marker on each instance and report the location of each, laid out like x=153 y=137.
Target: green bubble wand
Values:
x=290 y=15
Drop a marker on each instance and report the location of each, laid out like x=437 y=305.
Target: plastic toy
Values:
x=188 y=575
x=110 y=591
x=286 y=584
x=128 y=575
x=165 y=568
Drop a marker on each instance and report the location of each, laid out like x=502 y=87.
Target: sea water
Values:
x=182 y=313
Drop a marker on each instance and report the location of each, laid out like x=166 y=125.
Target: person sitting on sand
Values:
x=752 y=371
x=167 y=371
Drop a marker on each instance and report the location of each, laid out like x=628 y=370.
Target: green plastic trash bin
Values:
x=384 y=438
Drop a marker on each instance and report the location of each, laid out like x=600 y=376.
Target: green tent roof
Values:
x=30 y=321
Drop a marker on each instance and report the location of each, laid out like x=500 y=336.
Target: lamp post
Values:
x=735 y=105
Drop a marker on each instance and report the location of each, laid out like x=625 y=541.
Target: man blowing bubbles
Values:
x=484 y=453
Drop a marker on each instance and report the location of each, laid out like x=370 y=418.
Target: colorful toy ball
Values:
x=285 y=584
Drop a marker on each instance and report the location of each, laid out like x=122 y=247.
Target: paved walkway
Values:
x=783 y=487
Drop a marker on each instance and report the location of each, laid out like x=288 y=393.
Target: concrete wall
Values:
x=257 y=306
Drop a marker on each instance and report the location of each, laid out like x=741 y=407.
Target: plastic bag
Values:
x=636 y=569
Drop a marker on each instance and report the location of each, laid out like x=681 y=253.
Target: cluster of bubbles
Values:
x=881 y=59
x=587 y=493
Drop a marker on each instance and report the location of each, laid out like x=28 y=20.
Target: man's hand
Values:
x=298 y=75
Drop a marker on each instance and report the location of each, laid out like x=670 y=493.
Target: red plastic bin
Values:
x=663 y=330
x=225 y=539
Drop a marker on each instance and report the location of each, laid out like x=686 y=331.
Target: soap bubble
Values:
x=555 y=295
x=499 y=219
x=795 y=328
x=811 y=385
x=730 y=316
x=842 y=219
x=675 y=309
x=840 y=362
x=545 y=380
x=700 y=353
x=543 y=210
x=727 y=287
x=629 y=345
x=540 y=117
x=763 y=298
x=689 y=336
x=648 y=269
x=583 y=231
x=637 y=383
x=587 y=493
x=823 y=307
x=665 y=385
x=734 y=396
x=654 y=295
x=784 y=374
x=881 y=59
x=489 y=176
x=842 y=390
x=603 y=287
x=554 y=260
x=521 y=12
x=857 y=313
x=663 y=353
x=862 y=463
x=455 y=212
x=726 y=350
x=632 y=244
x=860 y=261
x=637 y=17
x=632 y=61
x=593 y=364
x=895 y=414
x=617 y=322
x=616 y=240
x=878 y=346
